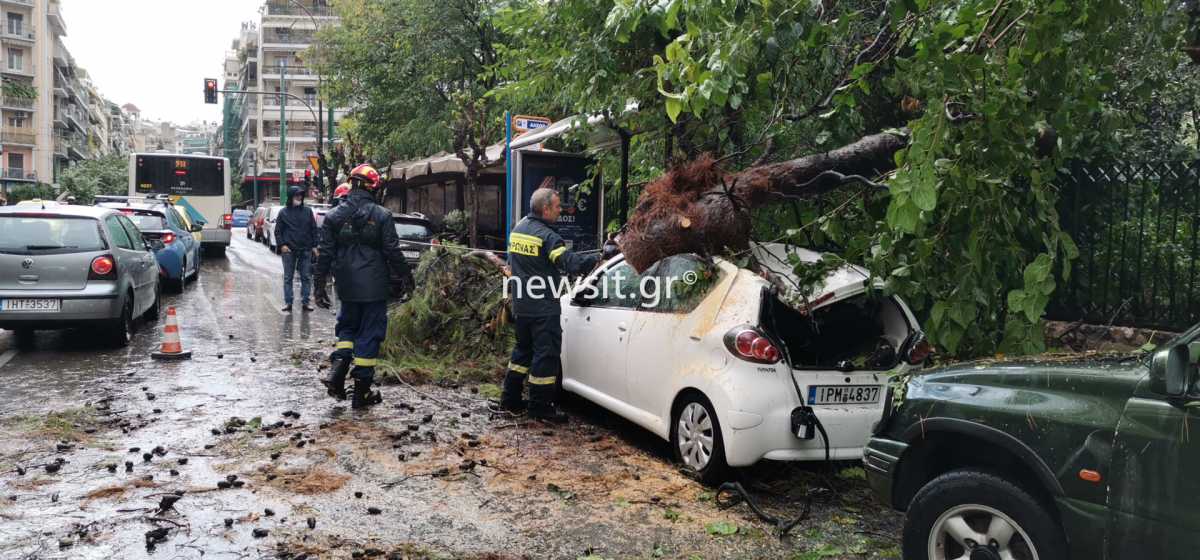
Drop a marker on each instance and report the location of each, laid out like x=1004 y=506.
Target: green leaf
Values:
x=924 y=195
x=721 y=528
x=674 y=107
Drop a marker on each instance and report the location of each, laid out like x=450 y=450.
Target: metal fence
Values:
x=1137 y=226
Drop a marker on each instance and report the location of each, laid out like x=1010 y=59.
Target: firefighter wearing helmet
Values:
x=340 y=193
x=360 y=247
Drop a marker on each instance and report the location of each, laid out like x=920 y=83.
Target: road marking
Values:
x=7 y=356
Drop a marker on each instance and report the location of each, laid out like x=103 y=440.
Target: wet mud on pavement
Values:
x=239 y=454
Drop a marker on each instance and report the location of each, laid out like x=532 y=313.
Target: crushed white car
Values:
x=726 y=371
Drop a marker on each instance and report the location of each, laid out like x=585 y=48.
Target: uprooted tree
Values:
x=964 y=110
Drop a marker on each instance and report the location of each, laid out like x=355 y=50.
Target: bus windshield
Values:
x=179 y=175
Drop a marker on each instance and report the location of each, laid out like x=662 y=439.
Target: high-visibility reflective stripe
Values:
x=557 y=253
x=535 y=380
x=518 y=368
x=366 y=362
x=526 y=238
x=345 y=345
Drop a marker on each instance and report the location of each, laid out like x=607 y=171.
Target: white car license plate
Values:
x=412 y=254
x=29 y=305
x=843 y=394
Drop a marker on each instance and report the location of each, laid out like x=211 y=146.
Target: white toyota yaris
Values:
x=724 y=370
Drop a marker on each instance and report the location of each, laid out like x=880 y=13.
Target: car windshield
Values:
x=412 y=231
x=49 y=235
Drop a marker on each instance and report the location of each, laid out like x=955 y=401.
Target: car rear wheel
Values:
x=177 y=284
x=121 y=331
x=975 y=514
x=151 y=315
x=696 y=440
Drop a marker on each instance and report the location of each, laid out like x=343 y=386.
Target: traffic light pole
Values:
x=283 y=124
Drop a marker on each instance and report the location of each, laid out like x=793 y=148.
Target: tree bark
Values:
x=699 y=208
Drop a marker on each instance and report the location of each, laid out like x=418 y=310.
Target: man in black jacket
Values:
x=360 y=245
x=535 y=254
x=296 y=234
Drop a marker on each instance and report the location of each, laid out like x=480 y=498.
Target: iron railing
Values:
x=1137 y=226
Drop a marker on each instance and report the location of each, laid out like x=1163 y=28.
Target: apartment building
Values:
x=51 y=115
x=269 y=56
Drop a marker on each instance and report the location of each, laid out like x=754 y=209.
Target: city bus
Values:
x=198 y=184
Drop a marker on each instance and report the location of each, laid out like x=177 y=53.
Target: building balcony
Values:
x=22 y=103
x=28 y=3
x=10 y=71
x=56 y=20
x=18 y=138
x=293 y=39
x=279 y=8
x=23 y=35
x=271 y=72
x=14 y=174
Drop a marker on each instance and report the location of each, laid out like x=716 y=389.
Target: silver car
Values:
x=75 y=266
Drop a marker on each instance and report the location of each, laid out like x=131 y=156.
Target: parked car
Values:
x=728 y=373
x=1081 y=458
x=241 y=217
x=75 y=266
x=179 y=257
x=269 y=228
x=416 y=233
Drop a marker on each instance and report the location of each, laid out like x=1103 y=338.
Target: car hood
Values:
x=1109 y=375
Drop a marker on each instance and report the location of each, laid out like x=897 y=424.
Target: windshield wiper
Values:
x=49 y=247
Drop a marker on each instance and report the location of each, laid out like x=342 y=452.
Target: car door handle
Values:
x=621 y=327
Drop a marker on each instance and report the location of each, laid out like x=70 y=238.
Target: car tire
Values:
x=120 y=332
x=177 y=285
x=986 y=505
x=696 y=440
x=151 y=315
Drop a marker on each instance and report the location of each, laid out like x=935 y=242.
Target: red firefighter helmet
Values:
x=342 y=191
x=367 y=174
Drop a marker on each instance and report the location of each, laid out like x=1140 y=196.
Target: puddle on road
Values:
x=429 y=470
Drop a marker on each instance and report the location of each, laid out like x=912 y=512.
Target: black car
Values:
x=416 y=235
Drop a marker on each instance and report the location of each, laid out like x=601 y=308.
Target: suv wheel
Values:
x=151 y=315
x=696 y=440
x=974 y=514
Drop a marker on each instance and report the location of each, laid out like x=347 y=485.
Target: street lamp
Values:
x=320 y=104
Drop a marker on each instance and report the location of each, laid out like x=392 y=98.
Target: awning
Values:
x=444 y=162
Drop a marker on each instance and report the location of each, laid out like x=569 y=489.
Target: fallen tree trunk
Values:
x=698 y=208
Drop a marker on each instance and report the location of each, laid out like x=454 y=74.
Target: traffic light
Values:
x=307 y=179
x=210 y=91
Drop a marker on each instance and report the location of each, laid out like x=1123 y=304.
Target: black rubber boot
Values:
x=548 y=414
x=363 y=395
x=335 y=384
x=512 y=396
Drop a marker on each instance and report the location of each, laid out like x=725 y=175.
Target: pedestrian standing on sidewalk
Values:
x=360 y=247
x=535 y=253
x=296 y=234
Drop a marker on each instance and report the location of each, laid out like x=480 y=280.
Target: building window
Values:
x=16 y=161
x=15 y=59
x=16 y=23
x=310 y=95
x=16 y=121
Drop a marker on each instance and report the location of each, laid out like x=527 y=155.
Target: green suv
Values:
x=1047 y=460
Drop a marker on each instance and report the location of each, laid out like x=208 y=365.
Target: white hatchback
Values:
x=727 y=372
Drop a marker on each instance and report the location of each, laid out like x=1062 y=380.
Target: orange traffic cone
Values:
x=172 y=348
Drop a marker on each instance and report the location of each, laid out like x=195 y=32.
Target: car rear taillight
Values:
x=920 y=351
x=103 y=268
x=227 y=221
x=168 y=238
x=435 y=241
x=750 y=345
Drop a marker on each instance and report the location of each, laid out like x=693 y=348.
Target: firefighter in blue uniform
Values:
x=360 y=245
x=535 y=251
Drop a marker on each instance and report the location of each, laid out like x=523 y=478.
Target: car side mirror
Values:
x=1169 y=371
x=196 y=228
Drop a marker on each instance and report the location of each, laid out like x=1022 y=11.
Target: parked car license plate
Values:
x=843 y=394
x=30 y=305
x=412 y=254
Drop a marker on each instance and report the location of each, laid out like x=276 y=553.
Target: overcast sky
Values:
x=156 y=53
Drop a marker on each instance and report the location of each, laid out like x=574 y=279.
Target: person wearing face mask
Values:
x=296 y=233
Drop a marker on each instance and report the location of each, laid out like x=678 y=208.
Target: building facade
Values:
x=269 y=56
x=53 y=116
